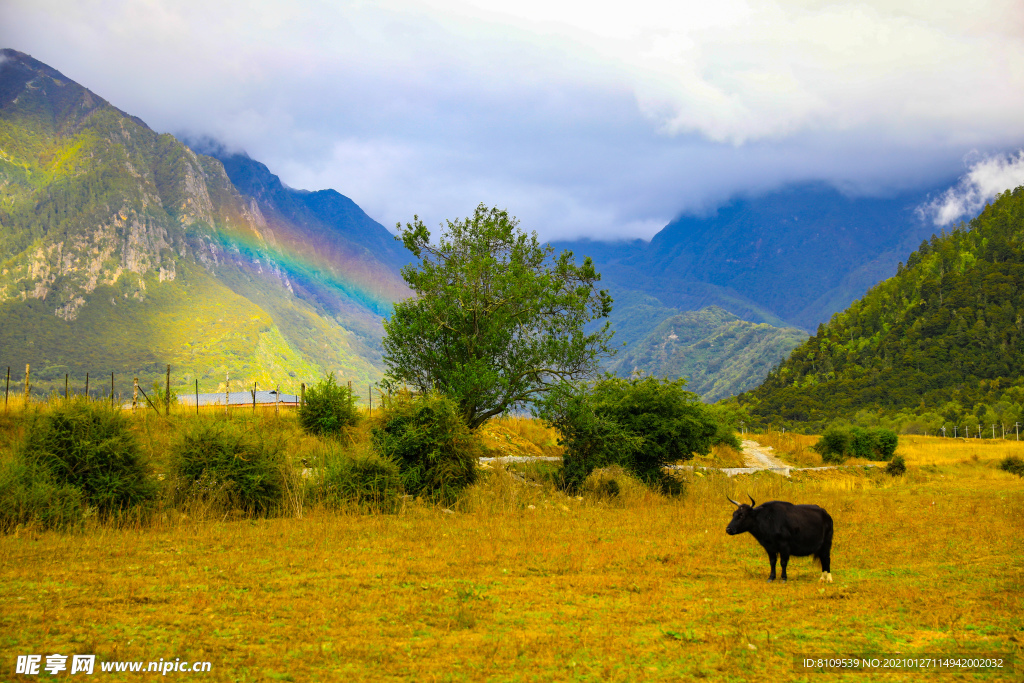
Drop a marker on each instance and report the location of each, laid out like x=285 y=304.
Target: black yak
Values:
x=786 y=529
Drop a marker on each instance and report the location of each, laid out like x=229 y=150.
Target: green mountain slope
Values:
x=122 y=250
x=942 y=342
x=720 y=354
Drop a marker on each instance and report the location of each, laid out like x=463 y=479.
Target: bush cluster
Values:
x=1012 y=464
x=369 y=481
x=87 y=447
x=837 y=444
x=30 y=495
x=329 y=407
x=227 y=463
x=428 y=438
x=640 y=423
x=896 y=466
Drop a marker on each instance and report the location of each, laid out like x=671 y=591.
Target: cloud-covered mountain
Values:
x=792 y=257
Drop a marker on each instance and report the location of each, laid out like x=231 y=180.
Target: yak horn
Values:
x=732 y=501
x=752 y=503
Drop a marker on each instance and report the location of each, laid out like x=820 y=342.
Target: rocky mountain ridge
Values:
x=98 y=212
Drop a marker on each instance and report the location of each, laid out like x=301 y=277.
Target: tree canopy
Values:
x=496 y=319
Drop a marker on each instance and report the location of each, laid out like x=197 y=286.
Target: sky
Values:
x=597 y=119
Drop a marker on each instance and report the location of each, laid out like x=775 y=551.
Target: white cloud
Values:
x=988 y=177
x=601 y=119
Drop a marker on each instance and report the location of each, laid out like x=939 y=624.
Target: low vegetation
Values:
x=328 y=408
x=838 y=444
x=82 y=455
x=524 y=582
x=641 y=424
x=1012 y=464
x=428 y=438
x=238 y=464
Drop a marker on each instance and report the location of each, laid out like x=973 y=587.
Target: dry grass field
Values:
x=519 y=582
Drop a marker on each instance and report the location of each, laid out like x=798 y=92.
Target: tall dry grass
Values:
x=521 y=582
x=649 y=589
x=792 y=448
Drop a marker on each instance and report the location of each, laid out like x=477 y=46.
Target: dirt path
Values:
x=756 y=458
x=760 y=457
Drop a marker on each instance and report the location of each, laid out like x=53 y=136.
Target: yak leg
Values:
x=785 y=561
x=825 y=555
x=773 y=557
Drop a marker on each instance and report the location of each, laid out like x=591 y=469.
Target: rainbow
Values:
x=323 y=270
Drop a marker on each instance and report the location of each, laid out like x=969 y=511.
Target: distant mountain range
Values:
x=122 y=250
x=720 y=354
x=788 y=260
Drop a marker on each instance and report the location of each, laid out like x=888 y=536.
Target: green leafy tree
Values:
x=496 y=321
x=640 y=423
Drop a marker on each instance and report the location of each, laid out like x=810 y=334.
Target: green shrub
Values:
x=885 y=443
x=862 y=443
x=837 y=444
x=365 y=479
x=896 y=466
x=91 y=447
x=328 y=408
x=428 y=438
x=640 y=423
x=590 y=440
x=834 y=445
x=226 y=462
x=30 y=496
x=1013 y=464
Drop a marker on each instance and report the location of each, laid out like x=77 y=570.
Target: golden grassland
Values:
x=523 y=583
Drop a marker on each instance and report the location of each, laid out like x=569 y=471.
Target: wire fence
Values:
x=164 y=401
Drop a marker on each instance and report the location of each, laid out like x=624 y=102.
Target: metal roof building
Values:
x=238 y=398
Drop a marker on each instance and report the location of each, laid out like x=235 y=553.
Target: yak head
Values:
x=743 y=519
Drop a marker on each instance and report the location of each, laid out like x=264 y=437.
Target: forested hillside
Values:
x=941 y=342
x=719 y=354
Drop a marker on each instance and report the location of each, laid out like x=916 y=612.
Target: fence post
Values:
x=254 y=398
x=351 y=398
x=111 y=390
x=227 y=391
x=302 y=396
x=27 y=370
x=66 y=396
x=277 y=401
x=167 y=395
x=135 y=394
x=87 y=386
x=7 y=389
x=369 y=393
x=197 y=397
